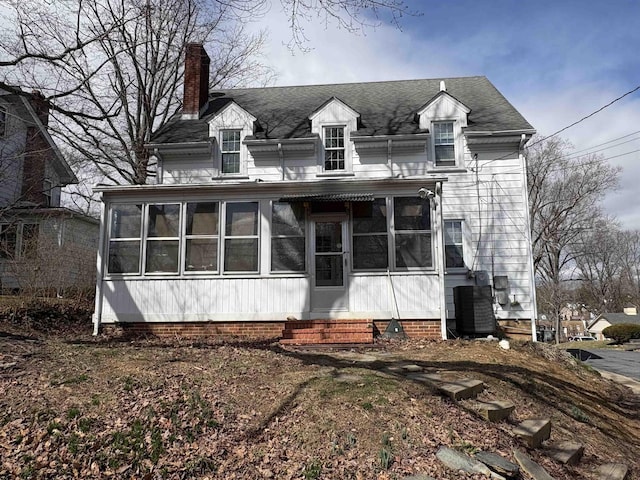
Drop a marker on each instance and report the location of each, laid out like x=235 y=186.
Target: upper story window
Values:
x=453 y=244
x=444 y=144
x=334 y=150
x=3 y=121
x=230 y=148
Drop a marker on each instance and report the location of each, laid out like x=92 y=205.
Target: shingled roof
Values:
x=385 y=108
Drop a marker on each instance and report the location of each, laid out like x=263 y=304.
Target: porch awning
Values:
x=330 y=197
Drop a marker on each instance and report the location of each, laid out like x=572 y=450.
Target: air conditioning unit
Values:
x=474 y=310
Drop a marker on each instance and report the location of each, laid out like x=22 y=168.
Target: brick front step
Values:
x=310 y=332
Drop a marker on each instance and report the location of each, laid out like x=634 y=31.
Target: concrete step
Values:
x=498 y=464
x=534 y=431
x=494 y=410
x=461 y=389
x=566 y=452
x=612 y=471
x=531 y=467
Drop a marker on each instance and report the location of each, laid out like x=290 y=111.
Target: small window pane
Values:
x=288 y=219
x=124 y=257
x=164 y=220
x=288 y=254
x=242 y=219
x=370 y=217
x=413 y=250
x=125 y=221
x=202 y=254
x=454 y=256
x=162 y=256
x=328 y=270
x=231 y=140
x=241 y=255
x=370 y=252
x=445 y=154
x=411 y=214
x=328 y=237
x=202 y=218
x=230 y=163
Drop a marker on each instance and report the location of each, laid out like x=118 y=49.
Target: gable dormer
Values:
x=444 y=117
x=228 y=129
x=334 y=122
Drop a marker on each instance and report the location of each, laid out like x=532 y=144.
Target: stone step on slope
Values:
x=566 y=452
x=461 y=389
x=530 y=467
x=533 y=431
x=493 y=410
x=612 y=471
x=498 y=464
x=459 y=461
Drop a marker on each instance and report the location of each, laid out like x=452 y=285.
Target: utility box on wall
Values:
x=474 y=310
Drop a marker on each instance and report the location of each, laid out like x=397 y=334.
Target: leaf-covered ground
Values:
x=72 y=406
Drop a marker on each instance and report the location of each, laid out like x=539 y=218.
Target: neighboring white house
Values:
x=604 y=320
x=43 y=247
x=347 y=201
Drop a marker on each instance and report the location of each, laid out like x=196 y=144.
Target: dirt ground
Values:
x=74 y=406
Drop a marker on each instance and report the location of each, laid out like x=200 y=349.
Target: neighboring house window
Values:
x=241 y=237
x=230 y=151
x=3 y=121
x=29 y=240
x=444 y=143
x=412 y=232
x=453 y=244
x=287 y=237
x=370 y=239
x=47 y=190
x=334 y=150
x=163 y=238
x=124 y=239
x=8 y=240
x=202 y=237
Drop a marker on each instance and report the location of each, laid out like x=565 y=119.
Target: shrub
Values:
x=623 y=332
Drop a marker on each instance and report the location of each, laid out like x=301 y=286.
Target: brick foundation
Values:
x=413 y=328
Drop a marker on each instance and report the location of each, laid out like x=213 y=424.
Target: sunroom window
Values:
x=444 y=143
x=201 y=237
x=412 y=226
x=124 y=239
x=241 y=237
x=230 y=146
x=370 y=238
x=288 y=237
x=334 y=150
x=163 y=238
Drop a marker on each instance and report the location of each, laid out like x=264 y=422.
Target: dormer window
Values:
x=230 y=147
x=334 y=149
x=444 y=143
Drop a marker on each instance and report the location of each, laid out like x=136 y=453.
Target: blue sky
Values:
x=555 y=61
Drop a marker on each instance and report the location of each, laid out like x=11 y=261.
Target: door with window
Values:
x=330 y=265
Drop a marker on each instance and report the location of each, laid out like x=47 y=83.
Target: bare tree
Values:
x=564 y=195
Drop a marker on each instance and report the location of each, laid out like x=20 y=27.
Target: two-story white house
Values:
x=44 y=248
x=327 y=203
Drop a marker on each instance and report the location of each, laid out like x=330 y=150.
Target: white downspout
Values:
x=532 y=273
x=281 y=156
x=440 y=259
x=97 y=314
x=389 y=156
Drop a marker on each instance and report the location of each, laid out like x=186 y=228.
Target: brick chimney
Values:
x=40 y=106
x=196 y=81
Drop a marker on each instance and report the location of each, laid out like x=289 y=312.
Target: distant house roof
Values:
x=385 y=108
x=616 y=318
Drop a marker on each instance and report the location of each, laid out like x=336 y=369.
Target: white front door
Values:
x=330 y=265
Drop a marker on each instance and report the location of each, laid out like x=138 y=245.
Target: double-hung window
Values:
x=287 y=237
x=444 y=144
x=124 y=239
x=230 y=148
x=29 y=240
x=334 y=150
x=201 y=237
x=412 y=233
x=163 y=238
x=370 y=238
x=453 y=244
x=241 y=237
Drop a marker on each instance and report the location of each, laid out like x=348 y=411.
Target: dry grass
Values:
x=80 y=407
